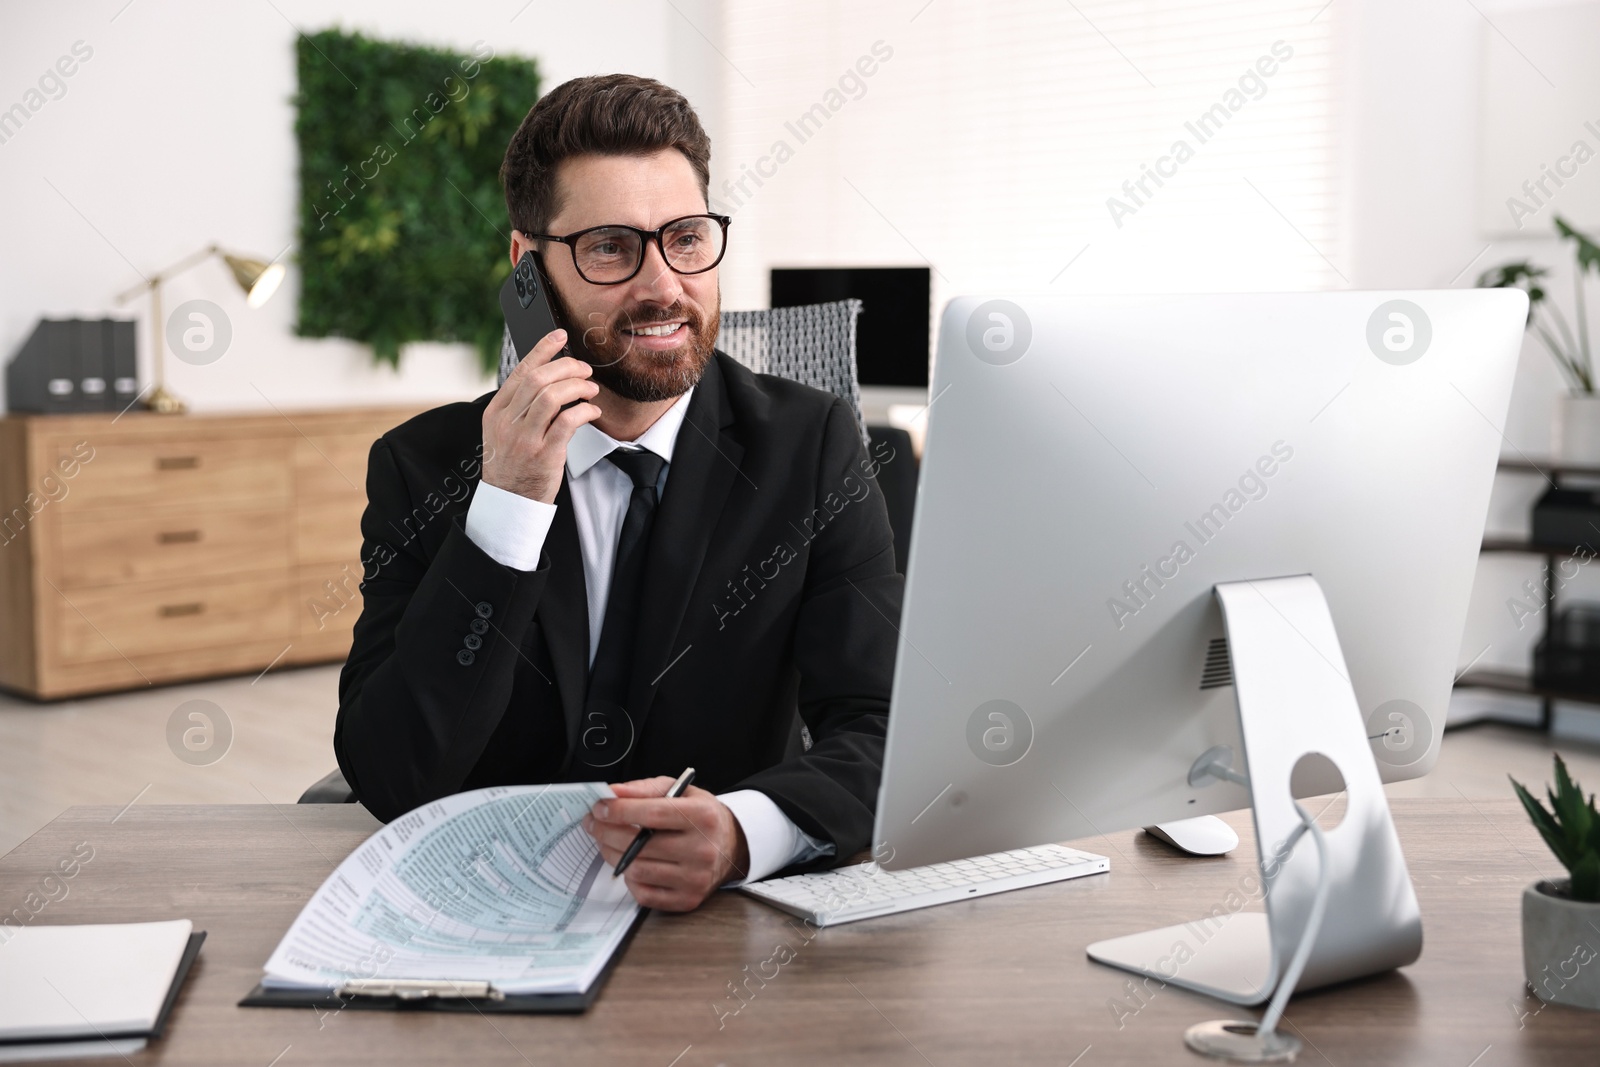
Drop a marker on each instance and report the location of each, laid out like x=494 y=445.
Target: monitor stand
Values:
x=1294 y=698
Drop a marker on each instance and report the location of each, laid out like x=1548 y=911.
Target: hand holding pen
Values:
x=695 y=844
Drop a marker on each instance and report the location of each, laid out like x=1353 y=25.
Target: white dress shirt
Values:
x=512 y=530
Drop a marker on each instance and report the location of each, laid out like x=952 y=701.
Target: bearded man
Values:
x=661 y=560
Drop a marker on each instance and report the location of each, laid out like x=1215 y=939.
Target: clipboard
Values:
x=507 y=1004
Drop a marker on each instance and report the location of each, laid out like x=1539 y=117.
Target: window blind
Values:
x=1032 y=146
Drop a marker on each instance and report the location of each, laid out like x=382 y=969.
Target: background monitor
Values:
x=1094 y=465
x=892 y=332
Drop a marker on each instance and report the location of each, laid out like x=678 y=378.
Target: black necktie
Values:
x=607 y=734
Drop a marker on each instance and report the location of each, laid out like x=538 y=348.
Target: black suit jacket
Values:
x=770 y=593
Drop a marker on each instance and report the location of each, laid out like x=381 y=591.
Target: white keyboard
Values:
x=864 y=891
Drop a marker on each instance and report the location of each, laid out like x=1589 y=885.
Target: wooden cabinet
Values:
x=141 y=549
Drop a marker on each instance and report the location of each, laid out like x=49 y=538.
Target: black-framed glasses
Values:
x=611 y=255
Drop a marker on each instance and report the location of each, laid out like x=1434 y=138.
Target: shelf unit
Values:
x=1522 y=684
x=143 y=549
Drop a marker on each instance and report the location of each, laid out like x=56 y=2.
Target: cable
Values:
x=1215 y=763
x=1308 y=937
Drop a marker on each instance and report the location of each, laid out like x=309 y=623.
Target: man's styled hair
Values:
x=605 y=114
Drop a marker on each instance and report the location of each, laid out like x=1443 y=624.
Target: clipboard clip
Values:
x=419 y=989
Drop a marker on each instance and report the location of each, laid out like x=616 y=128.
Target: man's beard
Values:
x=636 y=373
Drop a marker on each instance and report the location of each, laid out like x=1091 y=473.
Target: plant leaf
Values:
x=1574 y=813
x=402 y=216
x=1544 y=823
x=1588 y=252
x=1518 y=274
x=1586 y=877
x=1508 y=275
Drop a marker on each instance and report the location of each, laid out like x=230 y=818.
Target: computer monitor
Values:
x=892 y=332
x=1094 y=466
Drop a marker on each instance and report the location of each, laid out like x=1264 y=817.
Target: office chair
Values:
x=331 y=788
x=814 y=345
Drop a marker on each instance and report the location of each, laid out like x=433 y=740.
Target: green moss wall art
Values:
x=403 y=231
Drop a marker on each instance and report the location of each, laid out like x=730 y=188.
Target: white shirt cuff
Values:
x=510 y=528
x=773 y=839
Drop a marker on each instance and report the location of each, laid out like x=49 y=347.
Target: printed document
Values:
x=497 y=885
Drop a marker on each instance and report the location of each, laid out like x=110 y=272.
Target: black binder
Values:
x=74 y=365
x=92 y=363
x=124 y=365
x=510 y=1004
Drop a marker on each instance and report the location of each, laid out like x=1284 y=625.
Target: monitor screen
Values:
x=892 y=332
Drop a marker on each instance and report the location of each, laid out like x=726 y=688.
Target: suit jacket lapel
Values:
x=705 y=464
x=563 y=615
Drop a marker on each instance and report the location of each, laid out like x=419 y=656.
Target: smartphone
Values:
x=526 y=306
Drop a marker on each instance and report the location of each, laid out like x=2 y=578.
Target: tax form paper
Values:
x=499 y=886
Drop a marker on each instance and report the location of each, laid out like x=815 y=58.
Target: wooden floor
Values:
x=114 y=750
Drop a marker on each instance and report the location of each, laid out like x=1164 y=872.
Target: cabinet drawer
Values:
x=328 y=530
x=143 y=545
x=180 y=471
x=174 y=616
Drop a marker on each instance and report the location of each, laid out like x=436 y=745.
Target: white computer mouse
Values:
x=1203 y=836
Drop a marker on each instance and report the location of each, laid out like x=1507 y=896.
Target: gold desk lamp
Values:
x=258 y=278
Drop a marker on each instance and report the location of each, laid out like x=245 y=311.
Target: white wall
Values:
x=179 y=130
x=987 y=141
x=1414 y=221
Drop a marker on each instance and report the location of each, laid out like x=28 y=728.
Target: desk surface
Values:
x=994 y=981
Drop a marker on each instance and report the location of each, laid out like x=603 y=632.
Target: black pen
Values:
x=646 y=833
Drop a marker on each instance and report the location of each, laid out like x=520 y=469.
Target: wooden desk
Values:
x=995 y=981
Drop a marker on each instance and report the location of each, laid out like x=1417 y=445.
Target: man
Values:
x=666 y=561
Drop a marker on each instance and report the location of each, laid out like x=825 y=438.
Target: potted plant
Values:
x=1561 y=918
x=1578 y=419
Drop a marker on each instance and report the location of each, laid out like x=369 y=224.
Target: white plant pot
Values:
x=1557 y=959
x=1578 y=430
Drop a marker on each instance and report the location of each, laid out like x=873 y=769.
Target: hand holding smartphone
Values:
x=529 y=422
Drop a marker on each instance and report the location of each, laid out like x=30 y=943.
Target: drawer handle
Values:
x=177 y=463
x=178 y=537
x=173 y=611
